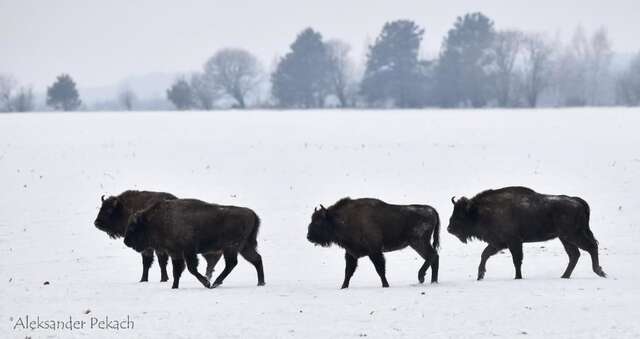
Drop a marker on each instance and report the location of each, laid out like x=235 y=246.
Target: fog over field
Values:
x=145 y=45
x=283 y=164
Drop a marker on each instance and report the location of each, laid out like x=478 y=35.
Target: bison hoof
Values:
x=480 y=276
x=385 y=285
x=144 y=280
x=261 y=283
x=565 y=276
x=344 y=286
x=518 y=278
x=174 y=287
x=215 y=284
x=421 y=279
x=601 y=273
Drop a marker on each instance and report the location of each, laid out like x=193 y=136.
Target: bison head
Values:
x=136 y=234
x=462 y=219
x=321 y=230
x=112 y=217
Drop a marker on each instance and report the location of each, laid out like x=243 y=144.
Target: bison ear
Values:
x=315 y=209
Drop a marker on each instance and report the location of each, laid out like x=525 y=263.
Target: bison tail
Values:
x=587 y=230
x=436 y=233
x=586 y=207
x=252 y=241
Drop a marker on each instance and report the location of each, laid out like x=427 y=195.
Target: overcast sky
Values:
x=102 y=42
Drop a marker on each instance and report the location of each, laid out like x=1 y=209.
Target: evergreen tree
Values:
x=463 y=73
x=63 y=95
x=393 y=72
x=301 y=78
x=181 y=95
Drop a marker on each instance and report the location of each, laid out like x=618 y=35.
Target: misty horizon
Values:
x=114 y=42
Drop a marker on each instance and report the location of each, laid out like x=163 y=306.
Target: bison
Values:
x=185 y=227
x=113 y=218
x=511 y=216
x=370 y=227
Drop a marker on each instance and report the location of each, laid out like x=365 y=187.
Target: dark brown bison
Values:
x=369 y=227
x=114 y=216
x=185 y=227
x=510 y=216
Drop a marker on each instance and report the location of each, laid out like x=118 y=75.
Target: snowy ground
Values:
x=54 y=167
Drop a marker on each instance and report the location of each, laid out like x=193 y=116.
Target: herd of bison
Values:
x=503 y=218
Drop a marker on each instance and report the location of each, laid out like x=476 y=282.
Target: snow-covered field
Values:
x=54 y=167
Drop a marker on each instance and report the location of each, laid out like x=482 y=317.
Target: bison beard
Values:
x=185 y=227
x=511 y=216
x=369 y=227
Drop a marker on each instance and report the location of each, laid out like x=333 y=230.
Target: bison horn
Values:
x=453 y=199
x=322 y=207
x=315 y=209
x=102 y=198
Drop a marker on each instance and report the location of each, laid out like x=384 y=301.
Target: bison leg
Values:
x=573 y=253
x=230 y=261
x=212 y=259
x=378 y=261
x=516 y=255
x=147 y=260
x=351 y=263
x=587 y=242
x=431 y=259
x=435 y=264
x=192 y=266
x=178 y=267
x=486 y=254
x=163 y=259
x=252 y=256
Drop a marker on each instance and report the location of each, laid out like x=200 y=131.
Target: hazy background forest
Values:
x=479 y=64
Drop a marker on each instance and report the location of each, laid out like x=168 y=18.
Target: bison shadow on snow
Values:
x=511 y=216
x=113 y=219
x=370 y=227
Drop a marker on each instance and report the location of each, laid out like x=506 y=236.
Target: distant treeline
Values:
x=477 y=66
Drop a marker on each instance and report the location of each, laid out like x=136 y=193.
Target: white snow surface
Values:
x=282 y=164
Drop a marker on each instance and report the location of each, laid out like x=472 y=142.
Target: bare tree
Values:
x=342 y=71
x=506 y=48
x=628 y=84
x=23 y=101
x=205 y=94
x=584 y=76
x=235 y=72
x=537 y=67
x=598 y=70
x=7 y=85
x=127 y=98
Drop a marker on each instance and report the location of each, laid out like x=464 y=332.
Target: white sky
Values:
x=102 y=42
